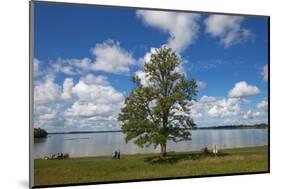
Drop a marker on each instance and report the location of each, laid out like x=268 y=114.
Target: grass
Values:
x=149 y=166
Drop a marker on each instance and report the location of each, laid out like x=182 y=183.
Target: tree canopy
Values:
x=40 y=133
x=159 y=111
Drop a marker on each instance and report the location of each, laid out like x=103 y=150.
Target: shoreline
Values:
x=191 y=129
x=155 y=153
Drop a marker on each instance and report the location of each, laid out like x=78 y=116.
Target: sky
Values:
x=85 y=57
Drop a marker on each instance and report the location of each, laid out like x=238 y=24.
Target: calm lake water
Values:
x=98 y=144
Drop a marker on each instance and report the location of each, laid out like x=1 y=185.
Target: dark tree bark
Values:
x=163 y=150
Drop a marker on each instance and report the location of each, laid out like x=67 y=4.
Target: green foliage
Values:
x=40 y=133
x=161 y=111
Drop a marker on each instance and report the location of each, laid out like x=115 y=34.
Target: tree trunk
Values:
x=163 y=150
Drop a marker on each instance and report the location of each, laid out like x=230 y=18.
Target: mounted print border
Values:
x=127 y=94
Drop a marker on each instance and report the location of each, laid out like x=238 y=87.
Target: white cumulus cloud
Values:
x=47 y=91
x=90 y=103
x=92 y=79
x=67 y=89
x=71 y=66
x=182 y=27
x=95 y=98
x=227 y=28
x=207 y=99
x=110 y=57
x=208 y=107
x=46 y=112
x=242 y=89
x=252 y=114
x=224 y=108
x=262 y=104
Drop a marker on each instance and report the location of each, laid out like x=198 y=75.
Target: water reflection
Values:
x=98 y=144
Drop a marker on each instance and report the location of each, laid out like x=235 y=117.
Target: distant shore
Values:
x=257 y=126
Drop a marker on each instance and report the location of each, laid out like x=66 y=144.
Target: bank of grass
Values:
x=149 y=166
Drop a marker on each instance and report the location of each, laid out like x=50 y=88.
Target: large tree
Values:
x=160 y=110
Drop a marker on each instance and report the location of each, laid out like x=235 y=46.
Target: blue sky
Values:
x=85 y=57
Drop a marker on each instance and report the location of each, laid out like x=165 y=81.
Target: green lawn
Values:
x=148 y=166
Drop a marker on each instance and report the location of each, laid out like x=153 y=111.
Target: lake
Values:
x=99 y=144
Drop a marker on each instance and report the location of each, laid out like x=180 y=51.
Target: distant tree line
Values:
x=254 y=126
x=40 y=133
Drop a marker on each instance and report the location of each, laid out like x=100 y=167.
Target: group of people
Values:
x=57 y=156
x=116 y=154
x=214 y=150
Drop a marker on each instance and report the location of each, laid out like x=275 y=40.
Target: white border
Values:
x=14 y=42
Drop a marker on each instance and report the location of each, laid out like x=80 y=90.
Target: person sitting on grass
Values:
x=118 y=154
x=114 y=156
